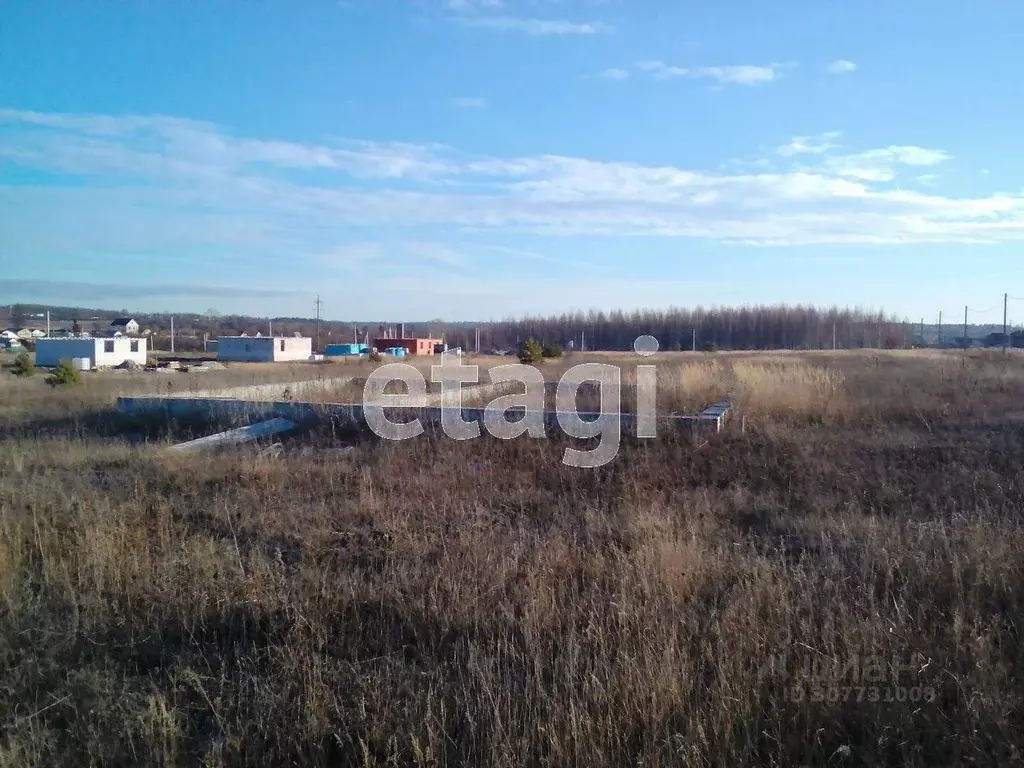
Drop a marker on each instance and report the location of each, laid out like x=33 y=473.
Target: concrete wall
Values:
x=294 y=389
x=297 y=390
x=101 y=352
x=263 y=349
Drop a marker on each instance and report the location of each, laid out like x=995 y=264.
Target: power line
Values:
x=983 y=311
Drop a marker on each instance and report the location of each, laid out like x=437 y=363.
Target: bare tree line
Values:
x=754 y=327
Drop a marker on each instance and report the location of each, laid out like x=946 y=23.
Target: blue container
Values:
x=396 y=351
x=338 y=350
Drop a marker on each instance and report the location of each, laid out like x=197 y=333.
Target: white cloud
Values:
x=741 y=75
x=881 y=164
x=841 y=67
x=810 y=145
x=613 y=73
x=470 y=102
x=535 y=27
x=152 y=183
x=745 y=74
x=661 y=70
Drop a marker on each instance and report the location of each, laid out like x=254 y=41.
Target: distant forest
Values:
x=742 y=328
x=681 y=329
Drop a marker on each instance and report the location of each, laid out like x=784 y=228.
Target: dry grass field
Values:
x=837 y=579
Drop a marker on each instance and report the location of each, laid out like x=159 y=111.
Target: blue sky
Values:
x=475 y=159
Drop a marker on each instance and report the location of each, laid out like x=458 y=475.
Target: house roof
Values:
x=122 y=320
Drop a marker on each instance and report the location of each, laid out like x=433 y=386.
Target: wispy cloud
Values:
x=150 y=183
x=878 y=165
x=613 y=73
x=59 y=290
x=882 y=164
x=841 y=67
x=135 y=146
x=535 y=27
x=810 y=145
x=743 y=74
x=469 y=102
x=661 y=70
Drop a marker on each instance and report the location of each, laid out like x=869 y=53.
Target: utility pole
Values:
x=318 y=305
x=47 y=323
x=694 y=339
x=172 y=334
x=583 y=341
x=478 y=341
x=922 y=332
x=271 y=330
x=833 y=337
x=965 y=327
x=940 y=329
x=1006 y=327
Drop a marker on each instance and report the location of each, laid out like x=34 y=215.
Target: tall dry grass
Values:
x=786 y=389
x=478 y=603
x=690 y=387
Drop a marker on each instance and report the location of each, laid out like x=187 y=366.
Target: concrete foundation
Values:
x=238 y=411
x=262 y=402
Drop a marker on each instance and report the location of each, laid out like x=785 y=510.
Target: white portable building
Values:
x=101 y=352
x=265 y=349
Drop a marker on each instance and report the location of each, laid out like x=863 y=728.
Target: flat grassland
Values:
x=836 y=579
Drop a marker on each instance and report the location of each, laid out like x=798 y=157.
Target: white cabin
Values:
x=101 y=353
x=264 y=349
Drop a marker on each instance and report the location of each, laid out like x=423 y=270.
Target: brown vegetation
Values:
x=443 y=603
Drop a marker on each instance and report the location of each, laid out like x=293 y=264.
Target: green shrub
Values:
x=64 y=375
x=23 y=365
x=551 y=351
x=709 y=346
x=531 y=352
